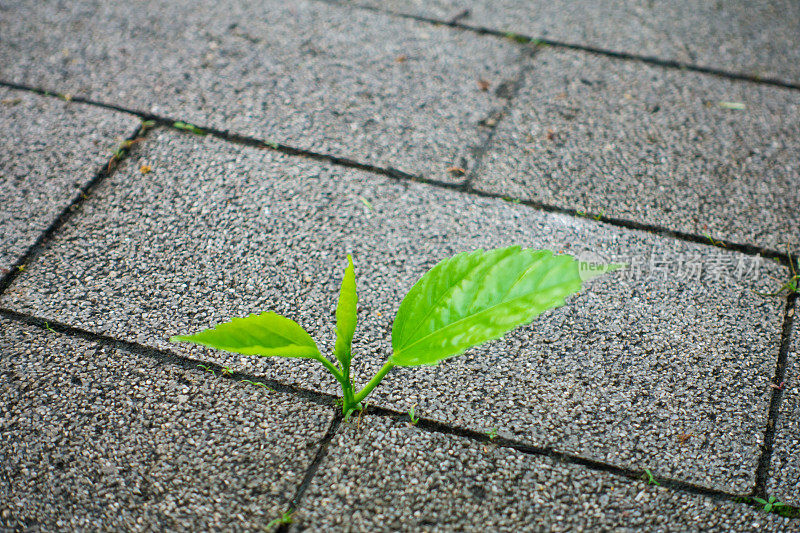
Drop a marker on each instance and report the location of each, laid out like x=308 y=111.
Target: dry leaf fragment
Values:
x=483 y=85
x=146 y=169
x=456 y=171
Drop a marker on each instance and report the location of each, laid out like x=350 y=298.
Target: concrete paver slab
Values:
x=328 y=78
x=48 y=150
x=784 y=482
x=104 y=440
x=759 y=39
x=380 y=475
x=652 y=145
x=665 y=365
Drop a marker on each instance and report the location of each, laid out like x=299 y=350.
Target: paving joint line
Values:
x=322 y=451
x=526 y=60
x=391 y=172
x=165 y=356
x=522 y=38
x=773 y=415
x=325 y=399
x=83 y=194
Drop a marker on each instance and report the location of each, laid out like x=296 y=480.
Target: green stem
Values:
x=373 y=382
x=332 y=369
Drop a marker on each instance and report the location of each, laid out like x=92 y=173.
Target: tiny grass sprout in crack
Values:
x=463 y=301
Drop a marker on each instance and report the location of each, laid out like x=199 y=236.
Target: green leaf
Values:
x=478 y=296
x=267 y=334
x=346 y=316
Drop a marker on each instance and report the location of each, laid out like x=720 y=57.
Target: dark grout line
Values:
x=391 y=172
x=434 y=426
x=164 y=356
x=83 y=194
x=329 y=400
x=521 y=38
x=765 y=460
x=322 y=451
x=465 y=13
x=77 y=99
x=527 y=54
x=747 y=249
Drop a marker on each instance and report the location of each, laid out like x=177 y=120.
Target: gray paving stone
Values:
x=665 y=365
x=652 y=145
x=49 y=149
x=753 y=38
x=96 y=439
x=784 y=483
x=332 y=79
x=380 y=475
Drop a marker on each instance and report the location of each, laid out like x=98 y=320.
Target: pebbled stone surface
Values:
x=333 y=79
x=98 y=439
x=665 y=365
x=654 y=146
x=784 y=481
x=760 y=39
x=49 y=149
x=380 y=475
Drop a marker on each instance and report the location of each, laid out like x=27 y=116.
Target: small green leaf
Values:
x=478 y=296
x=267 y=334
x=346 y=316
x=732 y=105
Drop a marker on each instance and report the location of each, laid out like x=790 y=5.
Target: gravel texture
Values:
x=97 y=439
x=784 y=482
x=49 y=149
x=652 y=145
x=665 y=365
x=333 y=79
x=380 y=475
x=759 y=38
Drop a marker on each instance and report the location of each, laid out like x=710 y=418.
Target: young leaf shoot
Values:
x=464 y=301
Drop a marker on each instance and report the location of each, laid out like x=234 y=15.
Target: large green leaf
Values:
x=478 y=296
x=346 y=316
x=268 y=334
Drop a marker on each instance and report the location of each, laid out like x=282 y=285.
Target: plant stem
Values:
x=373 y=382
x=333 y=370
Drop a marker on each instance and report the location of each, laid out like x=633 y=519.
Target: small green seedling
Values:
x=492 y=433
x=366 y=203
x=257 y=384
x=208 y=369
x=227 y=371
x=648 y=476
x=286 y=518
x=517 y=38
x=713 y=241
x=791 y=285
x=414 y=418
x=191 y=128
x=771 y=504
x=146 y=125
x=464 y=301
x=738 y=106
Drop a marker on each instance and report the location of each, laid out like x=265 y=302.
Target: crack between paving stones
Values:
x=322 y=451
x=83 y=194
x=391 y=172
x=522 y=38
x=526 y=60
x=325 y=399
x=773 y=414
x=164 y=356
